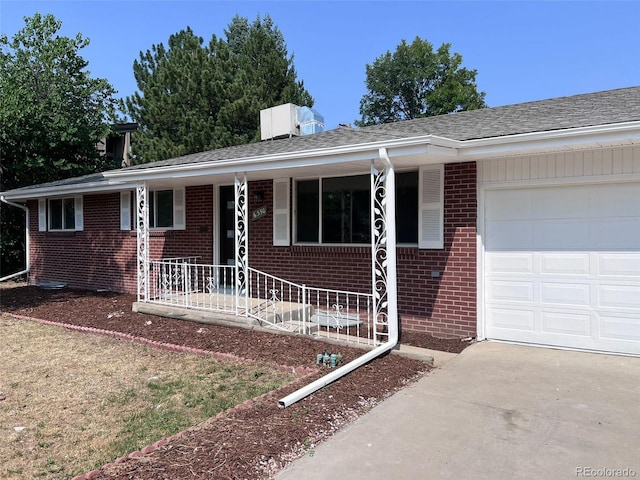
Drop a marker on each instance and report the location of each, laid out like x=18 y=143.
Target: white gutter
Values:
x=392 y=297
x=26 y=230
x=564 y=139
x=446 y=149
x=432 y=147
x=320 y=156
x=73 y=189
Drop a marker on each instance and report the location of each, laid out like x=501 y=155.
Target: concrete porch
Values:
x=217 y=308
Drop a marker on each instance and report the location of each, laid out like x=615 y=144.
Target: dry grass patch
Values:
x=71 y=402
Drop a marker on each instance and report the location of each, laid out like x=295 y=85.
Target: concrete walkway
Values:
x=496 y=411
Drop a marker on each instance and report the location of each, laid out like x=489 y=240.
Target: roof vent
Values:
x=289 y=120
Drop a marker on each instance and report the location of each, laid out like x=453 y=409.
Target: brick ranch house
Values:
x=517 y=223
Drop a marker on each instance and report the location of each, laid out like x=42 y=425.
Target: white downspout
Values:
x=392 y=297
x=26 y=244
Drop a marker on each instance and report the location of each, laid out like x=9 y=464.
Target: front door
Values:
x=226 y=214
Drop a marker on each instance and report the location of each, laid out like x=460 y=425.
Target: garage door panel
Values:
x=566 y=323
x=562 y=293
x=607 y=201
x=563 y=204
x=619 y=296
x=564 y=264
x=563 y=234
x=510 y=206
x=619 y=264
x=620 y=327
x=513 y=235
x=511 y=291
x=565 y=271
x=513 y=319
x=506 y=263
x=620 y=233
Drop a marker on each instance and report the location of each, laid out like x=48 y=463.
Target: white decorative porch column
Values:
x=383 y=249
x=241 y=254
x=142 y=229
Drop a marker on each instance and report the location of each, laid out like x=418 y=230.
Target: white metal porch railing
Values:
x=273 y=301
x=343 y=315
x=184 y=283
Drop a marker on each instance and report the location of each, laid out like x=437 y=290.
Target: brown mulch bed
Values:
x=252 y=441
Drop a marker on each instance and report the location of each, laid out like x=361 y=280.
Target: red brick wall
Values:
x=100 y=256
x=103 y=256
x=443 y=306
x=197 y=239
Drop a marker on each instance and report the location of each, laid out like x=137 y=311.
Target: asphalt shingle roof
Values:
x=590 y=109
x=600 y=108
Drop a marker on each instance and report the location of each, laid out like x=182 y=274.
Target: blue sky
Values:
x=522 y=51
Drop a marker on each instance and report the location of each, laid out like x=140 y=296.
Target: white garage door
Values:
x=562 y=266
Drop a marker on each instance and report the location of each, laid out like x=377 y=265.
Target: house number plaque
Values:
x=259 y=212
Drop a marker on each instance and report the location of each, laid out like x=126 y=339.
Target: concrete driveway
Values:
x=496 y=411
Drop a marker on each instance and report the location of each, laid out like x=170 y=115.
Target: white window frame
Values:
x=45 y=215
x=177 y=200
x=127 y=205
x=319 y=243
x=294 y=209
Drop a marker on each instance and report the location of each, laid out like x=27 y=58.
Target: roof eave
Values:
x=323 y=156
x=63 y=190
x=431 y=148
x=551 y=141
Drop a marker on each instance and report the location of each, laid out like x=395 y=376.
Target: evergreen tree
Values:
x=194 y=97
x=264 y=76
x=180 y=97
x=416 y=81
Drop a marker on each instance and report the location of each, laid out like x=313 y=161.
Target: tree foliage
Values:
x=416 y=81
x=179 y=97
x=195 y=97
x=52 y=112
x=52 y=115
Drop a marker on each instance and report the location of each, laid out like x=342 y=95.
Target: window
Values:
x=343 y=214
x=407 y=207
x=346 y=209
x=161 y=209
x=308 y=218
x=166 y=209
x=126 y=218
x=60 y=214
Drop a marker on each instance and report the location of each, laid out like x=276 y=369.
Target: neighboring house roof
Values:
x=609 y=107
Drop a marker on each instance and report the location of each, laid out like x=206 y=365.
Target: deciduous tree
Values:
x=52 y=112
x=417 y=81
x=52 y=115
